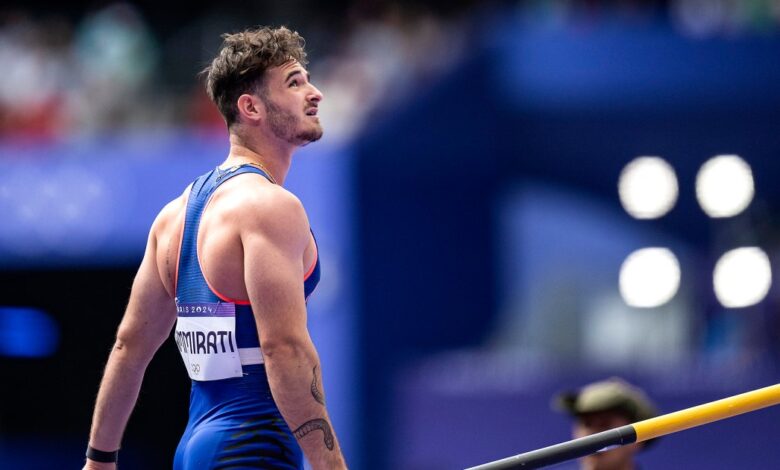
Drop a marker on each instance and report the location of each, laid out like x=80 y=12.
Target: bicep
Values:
x=273 y=274
x=274 y=233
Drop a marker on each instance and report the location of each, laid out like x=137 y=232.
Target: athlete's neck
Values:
x=275 y=160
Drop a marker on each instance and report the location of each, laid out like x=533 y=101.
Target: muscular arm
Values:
x=274 y=239
x=146 y=324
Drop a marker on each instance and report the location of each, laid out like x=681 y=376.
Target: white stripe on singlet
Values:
x=250 y=356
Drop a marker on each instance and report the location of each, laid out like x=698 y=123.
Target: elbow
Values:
x=131 y=351
x=125 y=339
x=122 y=342
x=119 y=345
x=286 y=348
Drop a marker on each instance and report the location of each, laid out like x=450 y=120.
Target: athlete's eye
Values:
x=294 y=83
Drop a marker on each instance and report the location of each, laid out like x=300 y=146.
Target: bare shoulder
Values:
x=164 y=240
x=257 y=206
x=171 y=214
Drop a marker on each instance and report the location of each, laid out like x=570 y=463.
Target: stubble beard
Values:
x=286 y=126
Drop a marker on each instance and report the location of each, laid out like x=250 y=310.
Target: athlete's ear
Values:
x=251 y=108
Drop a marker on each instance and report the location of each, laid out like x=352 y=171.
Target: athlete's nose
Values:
x=316 y=95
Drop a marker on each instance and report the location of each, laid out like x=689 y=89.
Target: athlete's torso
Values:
x=233 y=420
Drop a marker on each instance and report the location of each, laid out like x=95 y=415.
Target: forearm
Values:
x=116 y=397
x=296 y=383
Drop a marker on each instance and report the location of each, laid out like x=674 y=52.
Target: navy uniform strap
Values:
x=224 y=175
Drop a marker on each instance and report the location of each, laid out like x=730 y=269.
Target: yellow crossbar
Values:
x=707 y=413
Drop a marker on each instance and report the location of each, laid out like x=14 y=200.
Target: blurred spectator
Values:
x=116 y=55
x=605 y=405
x=385 y=57
x=122 y=65
x=36 y=71
x=106 y=69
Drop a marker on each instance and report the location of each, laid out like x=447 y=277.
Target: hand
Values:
x=92 y=465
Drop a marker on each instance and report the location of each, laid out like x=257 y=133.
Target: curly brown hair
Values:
x=241 y=64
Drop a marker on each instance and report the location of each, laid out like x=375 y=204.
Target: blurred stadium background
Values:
x=489 y=232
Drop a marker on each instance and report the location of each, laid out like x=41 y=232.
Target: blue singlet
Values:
x=233 y=422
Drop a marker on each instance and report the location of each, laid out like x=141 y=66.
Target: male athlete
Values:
x=231 y=263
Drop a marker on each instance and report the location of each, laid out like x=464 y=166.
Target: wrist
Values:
x=92 y=465
x=102 y=456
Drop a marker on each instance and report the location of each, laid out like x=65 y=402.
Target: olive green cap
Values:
x=613 y=394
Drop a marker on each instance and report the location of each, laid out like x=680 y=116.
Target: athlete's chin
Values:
x=310 y=136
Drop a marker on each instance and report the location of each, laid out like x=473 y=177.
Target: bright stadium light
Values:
x=742 y=277
x=649 y=277
x=724 y=186
x=648 y=187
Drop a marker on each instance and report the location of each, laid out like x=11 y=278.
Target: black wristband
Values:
x=101 y=456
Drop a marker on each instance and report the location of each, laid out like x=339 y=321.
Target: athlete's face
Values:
x=620 y=458
x=291 y=103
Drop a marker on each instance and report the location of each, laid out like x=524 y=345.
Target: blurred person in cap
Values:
x=231 y=263
x=605 y=405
